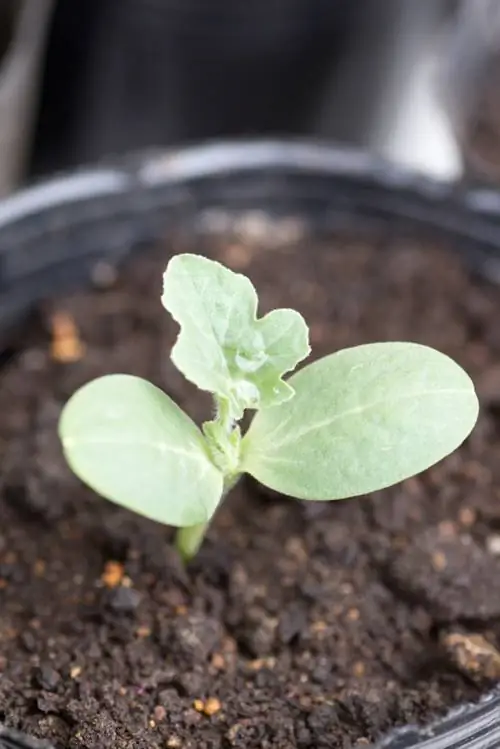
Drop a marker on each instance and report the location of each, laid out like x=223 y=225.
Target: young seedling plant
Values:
x=353 y=422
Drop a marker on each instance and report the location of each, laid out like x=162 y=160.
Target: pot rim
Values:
x=159 y=168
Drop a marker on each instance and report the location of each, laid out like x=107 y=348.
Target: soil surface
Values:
x=300 y=624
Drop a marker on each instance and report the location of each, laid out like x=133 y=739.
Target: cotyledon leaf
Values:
x=132 y=444
x=222 y=347
x=362 y=419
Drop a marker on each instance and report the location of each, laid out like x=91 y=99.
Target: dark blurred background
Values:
x=165 y=72
x=84 y=80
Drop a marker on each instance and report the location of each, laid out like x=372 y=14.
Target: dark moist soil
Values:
x=299 y=625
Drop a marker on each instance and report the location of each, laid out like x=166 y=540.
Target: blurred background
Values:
x=86 y=80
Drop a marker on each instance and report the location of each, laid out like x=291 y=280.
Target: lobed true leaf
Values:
x=222 y=346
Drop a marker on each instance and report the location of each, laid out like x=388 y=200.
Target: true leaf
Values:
x=222 y=347
x=132 y=444
x=361 y=420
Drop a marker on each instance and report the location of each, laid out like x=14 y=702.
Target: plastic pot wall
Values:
x=52 y=235
x=129 y=74
x=469 y=87
x=23 y=25
x=385 y=91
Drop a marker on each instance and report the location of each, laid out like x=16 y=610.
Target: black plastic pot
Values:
x=52 y=236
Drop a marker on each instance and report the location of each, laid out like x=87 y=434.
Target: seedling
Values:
x=356 y=421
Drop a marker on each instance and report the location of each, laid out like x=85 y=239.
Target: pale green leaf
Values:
x=361 y=420
x=132 y=444
x=222 y=347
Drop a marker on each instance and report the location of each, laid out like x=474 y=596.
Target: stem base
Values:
x=188 y=541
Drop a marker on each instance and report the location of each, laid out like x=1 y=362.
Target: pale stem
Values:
x=224 y=414
x=189 y=540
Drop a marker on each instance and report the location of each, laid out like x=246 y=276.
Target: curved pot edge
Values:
x=160 y=167
x=469 y=726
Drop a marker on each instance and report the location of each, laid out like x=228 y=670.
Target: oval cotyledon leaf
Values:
x=132 y=444
x=361 y=419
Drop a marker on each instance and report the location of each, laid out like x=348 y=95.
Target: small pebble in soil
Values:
x=174 y=742
x=194 y=636
x=208 y=707
x=467 y=517
x=47 y=677
x=218 y=662
x=493 y=544
x=113 y=574
x=159 y=713
x=293 y=621
x=67 y=346
x=28 y=640
x=123 y=600
x=259 y=632
x=191 y=682
x=473 y=655
x=143 y=631
x=48 y=704
x=39 y=568
x=260 y=663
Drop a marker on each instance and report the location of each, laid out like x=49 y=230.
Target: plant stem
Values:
x=224 y=414
x=189 y=540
